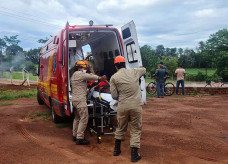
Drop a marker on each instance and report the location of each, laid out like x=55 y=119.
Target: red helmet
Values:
x=119 y=59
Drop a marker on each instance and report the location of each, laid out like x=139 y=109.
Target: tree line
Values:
x=212 y=53
x=11 y=54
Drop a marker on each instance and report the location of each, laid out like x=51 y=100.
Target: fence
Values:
x=17 y=77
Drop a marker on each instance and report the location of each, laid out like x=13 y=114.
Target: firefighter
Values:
x=79 y=90
x=90 y=66
x=124 y=85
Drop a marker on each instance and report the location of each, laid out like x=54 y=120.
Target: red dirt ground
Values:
x=176 y=129
x=4 y=87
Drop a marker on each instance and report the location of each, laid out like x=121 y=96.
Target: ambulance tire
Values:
x=39 y=100
x=55 y=118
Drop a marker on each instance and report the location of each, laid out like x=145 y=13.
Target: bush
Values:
x=29 y=66
x=200 y=77
x=224 y=74
x=222 y=68
x=189 y=77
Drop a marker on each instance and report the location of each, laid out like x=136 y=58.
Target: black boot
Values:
x=135 y=156
x=82 y=142
x=74 y=139
x=117 y=150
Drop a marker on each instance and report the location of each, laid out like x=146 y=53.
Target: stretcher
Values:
x=101 y=108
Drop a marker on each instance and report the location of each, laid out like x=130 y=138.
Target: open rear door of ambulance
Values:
x=132 y=52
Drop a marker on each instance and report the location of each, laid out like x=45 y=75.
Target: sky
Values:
x=173 y=23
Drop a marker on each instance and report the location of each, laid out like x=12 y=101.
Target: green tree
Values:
x=149 y=58
x=187 y=58
x=183 y=60
x=202 y=46
x=13 y=50
x=221 y=64
x=2 y=47
x=30 y=66
x=173 y=52
x=12 y=47
x=180 y=51
x=167 y=51
x=189 y=52
x=218 y=41
x=160 y=51
x=44 y=40
x=33 y=55
x=12 y=40
x=197 y=60
x=171 y=64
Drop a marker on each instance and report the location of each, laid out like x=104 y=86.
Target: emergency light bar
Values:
x=107 y=25
x=91 y=24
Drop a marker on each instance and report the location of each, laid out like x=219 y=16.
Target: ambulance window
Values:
x=105 y=55
x=134 y=52
x=110 y=54
x=126 y=33
x=86 y=50
x=38 y=73
x=117 y=52
x=54 y=40
x=64 y=35
x=63 y=55
x=131 y=52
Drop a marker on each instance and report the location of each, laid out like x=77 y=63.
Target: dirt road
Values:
x=175 y=130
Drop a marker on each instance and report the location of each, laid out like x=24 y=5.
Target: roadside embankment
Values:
x=203 y=90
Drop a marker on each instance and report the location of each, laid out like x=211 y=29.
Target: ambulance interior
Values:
x=104 y=48
x=104 y=45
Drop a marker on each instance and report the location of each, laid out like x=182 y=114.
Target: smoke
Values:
x=16 y=62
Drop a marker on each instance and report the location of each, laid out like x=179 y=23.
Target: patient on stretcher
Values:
x=102 y=90
x=102 y=87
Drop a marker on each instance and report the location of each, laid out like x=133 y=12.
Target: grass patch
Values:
x=44 y=115
x=8 y=103
x=19 y=76
x=15 y=94
x=194 y=71
x=62 y=125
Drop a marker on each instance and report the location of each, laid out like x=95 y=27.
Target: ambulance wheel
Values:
x=55 y=118
x=39 y=100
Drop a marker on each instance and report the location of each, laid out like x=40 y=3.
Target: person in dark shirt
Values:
x=162 y=66
x=161 y=74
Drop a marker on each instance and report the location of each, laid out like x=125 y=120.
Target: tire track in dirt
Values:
x=22 y=131
x=28 y=137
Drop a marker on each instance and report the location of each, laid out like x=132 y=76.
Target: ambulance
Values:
x=60 y=53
